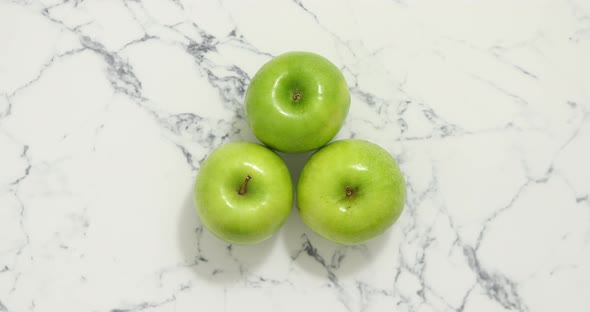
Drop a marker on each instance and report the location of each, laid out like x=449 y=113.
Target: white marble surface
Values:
x=107 y=109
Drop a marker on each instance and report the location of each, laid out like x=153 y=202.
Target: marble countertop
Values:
x=107 y=109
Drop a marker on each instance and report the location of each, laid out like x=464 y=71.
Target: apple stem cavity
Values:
x=242 y=190
x=348 y=191
x=297 y=96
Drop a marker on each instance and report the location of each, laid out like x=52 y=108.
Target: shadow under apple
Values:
x=319 y=256
x=209 y=257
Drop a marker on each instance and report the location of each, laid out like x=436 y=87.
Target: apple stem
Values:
x=296 y=96
x=242 y=190
x=348 y=191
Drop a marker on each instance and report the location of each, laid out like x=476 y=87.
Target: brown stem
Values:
x=297 y=96
x=348 y=191
x=242 y=190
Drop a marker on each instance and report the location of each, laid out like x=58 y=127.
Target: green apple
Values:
x=243 y=192
x=350 y=191
x=297 y=102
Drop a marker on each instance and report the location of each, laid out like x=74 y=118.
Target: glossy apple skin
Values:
x=261 y=211
x=378 y=187
x=299 y=125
